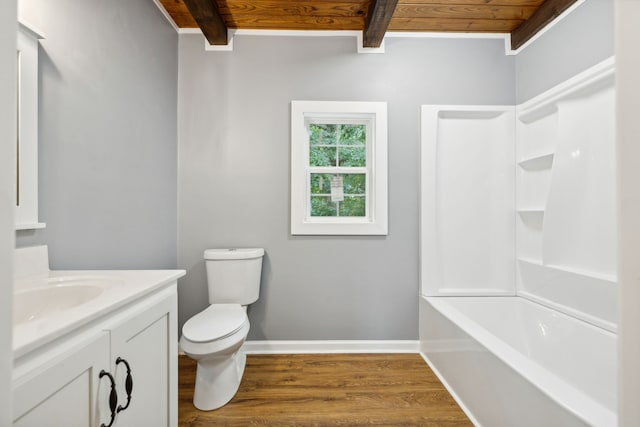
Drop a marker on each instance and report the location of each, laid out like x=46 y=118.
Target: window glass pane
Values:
x=354 y=183
x=322 y=156
x=322 y=134
x=321 y=183
x=352 y=206
x=353 y=156
x=354 y=202
x=323 y=206
x=353 y=134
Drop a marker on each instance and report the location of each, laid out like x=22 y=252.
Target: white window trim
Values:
x=376 y=223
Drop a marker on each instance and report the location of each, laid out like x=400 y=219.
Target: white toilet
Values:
x=214 y=336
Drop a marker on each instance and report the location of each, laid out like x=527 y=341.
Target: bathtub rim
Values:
x=564 y=394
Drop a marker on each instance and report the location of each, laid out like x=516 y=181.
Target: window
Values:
x=338 y=168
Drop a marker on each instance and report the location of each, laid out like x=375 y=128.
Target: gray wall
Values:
x=7 y=198
x=234 y=144
x=108 y=133
x=579 y=41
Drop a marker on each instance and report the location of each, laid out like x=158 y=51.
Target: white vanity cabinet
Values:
x=61 y=384
x=147 y=342
x=60 y=388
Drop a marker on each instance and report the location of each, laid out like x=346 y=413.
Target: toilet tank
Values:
x=233 y=275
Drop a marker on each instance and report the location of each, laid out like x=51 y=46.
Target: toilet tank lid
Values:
x=234 y=253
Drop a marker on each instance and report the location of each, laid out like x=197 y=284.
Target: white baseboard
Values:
x=333 y=346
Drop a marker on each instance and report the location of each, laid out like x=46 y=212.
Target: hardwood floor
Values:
x=328 y=390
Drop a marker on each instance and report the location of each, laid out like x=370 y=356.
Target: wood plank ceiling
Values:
x=521 y=18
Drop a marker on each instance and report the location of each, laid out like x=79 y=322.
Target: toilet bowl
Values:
x=214 y=337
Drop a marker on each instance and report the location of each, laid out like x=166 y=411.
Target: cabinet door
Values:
x=64 y=390
x=147 y=342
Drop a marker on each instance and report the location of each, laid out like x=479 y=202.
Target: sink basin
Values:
x=57 y=296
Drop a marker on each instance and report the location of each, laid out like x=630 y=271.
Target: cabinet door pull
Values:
x=128 y=385
x=113 y=397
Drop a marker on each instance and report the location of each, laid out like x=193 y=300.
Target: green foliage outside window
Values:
x=350 y=206
x=333 y=134
x=330 y=144
x=323 y=206
x=338 y=145
x=353 y=183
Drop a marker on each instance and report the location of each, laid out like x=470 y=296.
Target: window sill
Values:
x=340 y=229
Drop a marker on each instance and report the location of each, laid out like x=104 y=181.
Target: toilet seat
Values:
x=216 y=322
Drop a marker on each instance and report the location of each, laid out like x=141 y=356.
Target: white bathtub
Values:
x=511 y=362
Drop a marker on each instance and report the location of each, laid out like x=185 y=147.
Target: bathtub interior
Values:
x=494 y=382
x=540 y=335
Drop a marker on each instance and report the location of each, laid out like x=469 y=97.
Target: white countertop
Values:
x=121 y=288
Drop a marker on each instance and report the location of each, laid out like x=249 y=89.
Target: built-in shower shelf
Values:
x=537 y=265
x=535 y=211
x=530 y=214
x=532 y=261
x=533 y=218
x=542 y=162
x=580 y=272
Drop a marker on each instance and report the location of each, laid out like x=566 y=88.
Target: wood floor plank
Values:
x=328 y=390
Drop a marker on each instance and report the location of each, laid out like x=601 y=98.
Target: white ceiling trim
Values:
x=166 y=15
x=550 y=25
x=350 y=33
x=358 y=34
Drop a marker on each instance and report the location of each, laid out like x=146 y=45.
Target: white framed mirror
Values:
x=26 y=216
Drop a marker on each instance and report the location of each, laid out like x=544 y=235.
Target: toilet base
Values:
x=218 y=380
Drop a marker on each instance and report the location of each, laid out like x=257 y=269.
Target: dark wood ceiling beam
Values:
x=547 y=12
x=207 y=15
x=378 y=18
